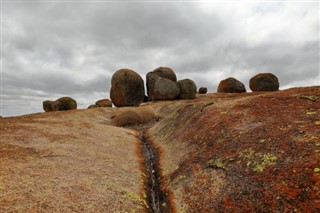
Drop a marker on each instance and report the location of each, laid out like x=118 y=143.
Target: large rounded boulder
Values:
x=127 y=88
x=188 y=89
x=61 y=104
x=264 y=82
x=231 y=85
x=165 y=89
x=153 y=76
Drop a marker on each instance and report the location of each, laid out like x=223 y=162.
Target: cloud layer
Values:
x=54 y=49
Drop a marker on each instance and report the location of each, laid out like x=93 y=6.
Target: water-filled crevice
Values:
x=158 y=198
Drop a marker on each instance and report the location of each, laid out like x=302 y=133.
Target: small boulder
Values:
x=127 y=88
x=203 y=90
x=231 y=85
x=92 y=106
x=61 y=104
x=165 y=89
x=104 y=103
x=264 y=82
x=188 y=89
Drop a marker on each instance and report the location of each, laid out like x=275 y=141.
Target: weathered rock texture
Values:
x=61 y=104
x=203 y=90
x=165 y=89
x=231 y=85
x=104 y=103
x=264 y=82
x=188 y=89
x=127 y=88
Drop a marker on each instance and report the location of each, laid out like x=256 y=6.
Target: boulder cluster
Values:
x=262 y=82
x=127 y=87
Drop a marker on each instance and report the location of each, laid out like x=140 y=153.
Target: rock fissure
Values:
x=157 y=198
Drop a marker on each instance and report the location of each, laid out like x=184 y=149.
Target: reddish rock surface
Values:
x=222 y=152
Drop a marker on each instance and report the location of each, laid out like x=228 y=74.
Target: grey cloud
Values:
x=69 y=48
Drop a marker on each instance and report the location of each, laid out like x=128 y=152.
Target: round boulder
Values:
x=165 y=72
x=104 y=103
x=188 y=89
x=231 y=85
x=165 y=89
x=127 y=88
x=264 y=82
x=203 y=90
x=61 y=104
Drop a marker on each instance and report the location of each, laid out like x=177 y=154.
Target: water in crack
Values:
x=156 y=198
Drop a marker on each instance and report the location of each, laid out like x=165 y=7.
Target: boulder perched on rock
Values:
x=188 y=89
x=61 y=104
x=153 y=76
x=104 y=103
x=93 y=106
x=264 y=82
x=127 y=88
x=231 y=85
x=203 y=90
x=165 y=89
x=165 y=72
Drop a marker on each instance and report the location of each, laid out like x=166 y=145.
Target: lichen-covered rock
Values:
x=127 y=88
x=165 y=89
x=264 y=82
x=203 y=90
x=93 y=106
x=61 y=104
x=104 y=103
x=231 y=85
x=188 y=89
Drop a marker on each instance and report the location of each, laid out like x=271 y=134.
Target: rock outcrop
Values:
x=127 y=88
x=61 y=104
x=165 y=89
x=231 y=85
x=264 y=82
x=188 y=89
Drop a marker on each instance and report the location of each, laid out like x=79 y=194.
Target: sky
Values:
x=52 y=49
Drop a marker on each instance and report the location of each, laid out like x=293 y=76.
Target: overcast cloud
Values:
x=55 y=49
